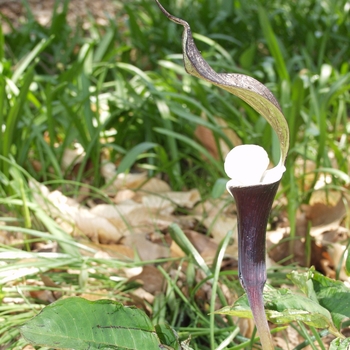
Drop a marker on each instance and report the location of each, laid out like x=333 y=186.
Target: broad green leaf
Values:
x=282 y=306
x=76 y=323
x=304 y=283
x=245 y=87
x=168 y=336
x=170 y=339
x=240 y=308
x=334 y=296
x=340 y=344
x=287 y=307
x=330 y=294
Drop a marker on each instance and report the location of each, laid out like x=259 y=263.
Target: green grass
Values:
x=121 y=93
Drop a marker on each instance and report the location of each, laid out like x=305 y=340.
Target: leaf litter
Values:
x=133 y=225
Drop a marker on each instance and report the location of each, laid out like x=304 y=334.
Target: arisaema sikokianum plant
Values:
x=252 y=184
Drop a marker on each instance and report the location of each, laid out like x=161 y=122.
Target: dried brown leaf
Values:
x=145 y=220
x=154 y=185
x=207 y=139
x=184 y=199
x=119 y=251
x=142 y=294
x=324 y=217
x=219 y=226
x=97 y=228
x=123 y=180
x=146 y=249
x=151 y=279
x=157 y=203
x=123 y=195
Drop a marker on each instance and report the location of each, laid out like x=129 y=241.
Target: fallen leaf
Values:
x=122 y=180
x=328 y=197
x=131 y=180
x=97 y=228
x=205 y=136
x=72 y=157
x=146 y=249
x=145 y=295
x=160 y=204
x=338 y=254
x=146 y=220
x=205 y=245
x=220 y=225
x=154 y=185
x=118 y=251
x=213 y=207
x=115 y=212
x=324 y=217
x=28 y=347
x=43 y=295
x=184 y=199
x=280 y=251
x=123 y=195
x=151 y=278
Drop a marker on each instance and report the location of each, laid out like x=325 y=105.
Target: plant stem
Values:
x=256 y=302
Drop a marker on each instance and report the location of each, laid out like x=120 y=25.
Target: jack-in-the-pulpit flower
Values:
x=252 y=184
x=253 y=187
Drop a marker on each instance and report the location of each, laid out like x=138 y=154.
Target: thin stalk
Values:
x=218 y=260
x=256 y=302
x=306 y=335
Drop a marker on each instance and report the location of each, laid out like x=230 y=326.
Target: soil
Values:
x=79 y=11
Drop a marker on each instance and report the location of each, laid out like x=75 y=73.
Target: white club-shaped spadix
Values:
x=247 y=165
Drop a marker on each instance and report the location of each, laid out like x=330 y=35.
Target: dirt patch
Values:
x=79 y=12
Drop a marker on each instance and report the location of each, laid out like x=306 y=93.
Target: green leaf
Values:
x=304 y=283
x=130 y=158
x=330 y=294
x=168 y=336
x=219 y=188
x=334 y=296
x=340 y=344
x=287 y=307
x=76 y=323
x=347 y=261
x=240 y=308
x=282 y=306
x=247 y=57
x=27 y=60
x=273 y=45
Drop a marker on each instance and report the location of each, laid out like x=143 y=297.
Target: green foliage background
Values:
x=121 y=91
